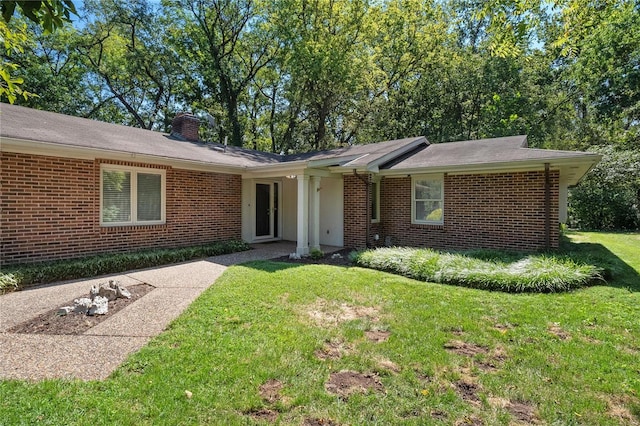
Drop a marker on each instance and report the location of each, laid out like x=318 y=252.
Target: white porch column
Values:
x=303 y=215
x=314 y=213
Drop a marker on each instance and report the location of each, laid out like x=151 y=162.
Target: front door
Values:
x=266 y=210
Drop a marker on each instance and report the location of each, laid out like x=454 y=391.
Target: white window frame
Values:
x=134 y=194
x=416 y=178
x=375 y=195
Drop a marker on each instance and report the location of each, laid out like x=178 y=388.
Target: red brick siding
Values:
x=356 y=213
x=50 y=210
x=502 y=210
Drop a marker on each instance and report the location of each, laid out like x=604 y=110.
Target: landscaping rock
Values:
x=99 y=306
x=108 y=291
x=95 y=291
x=65 y=310
x=123 y=293
x=98 y=301
x=81 y=306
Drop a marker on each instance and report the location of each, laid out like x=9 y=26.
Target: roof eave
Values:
x=588 y=160
x=87 y=153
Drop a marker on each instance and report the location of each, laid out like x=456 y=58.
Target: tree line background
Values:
x=298 y=75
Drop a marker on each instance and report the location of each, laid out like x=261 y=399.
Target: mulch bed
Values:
x=74 y=323
x=327 y=259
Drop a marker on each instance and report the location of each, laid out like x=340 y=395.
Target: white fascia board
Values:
x=374 y=165
x=344 y=170
x=318 y=172
x=255 y=173
x=275 y=170
x=85 y=153
x=513 y=166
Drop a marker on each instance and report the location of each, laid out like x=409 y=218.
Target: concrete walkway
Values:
x=95 y=354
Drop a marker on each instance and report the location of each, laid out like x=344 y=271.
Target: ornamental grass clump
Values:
x=488 y=270
x=18 y=276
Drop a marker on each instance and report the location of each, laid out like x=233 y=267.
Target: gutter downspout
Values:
x=366 y=184
x=547 y=207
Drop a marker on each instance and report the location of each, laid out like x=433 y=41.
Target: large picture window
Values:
x=428 y=200
x=132 y=196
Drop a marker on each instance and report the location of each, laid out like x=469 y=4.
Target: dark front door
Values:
x=263 y=210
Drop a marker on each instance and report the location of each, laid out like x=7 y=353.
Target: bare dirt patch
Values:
x=493 y=362
x=319 y=422
x=263 y=415
x=523 y=412
x=330 y=313
x=75 y=323
x=464 y=348
x=345 y=383
x=270 y=391
x=468 y=391
x=377 y=336
x=556 y=330
x=618 y=409
x=333 y=349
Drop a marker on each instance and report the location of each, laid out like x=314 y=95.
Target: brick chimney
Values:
x=185 y=126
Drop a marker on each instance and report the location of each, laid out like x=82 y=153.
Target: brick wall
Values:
x=50 y=210
x=502 y=210
x=355 y=211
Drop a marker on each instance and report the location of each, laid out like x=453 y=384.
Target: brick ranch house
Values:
x=73 y=187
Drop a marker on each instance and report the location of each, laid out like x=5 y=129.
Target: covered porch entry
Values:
x=302 y=206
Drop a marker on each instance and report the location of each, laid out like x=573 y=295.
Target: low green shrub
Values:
x=316 y=254
x=19 y=276
x=488 y=270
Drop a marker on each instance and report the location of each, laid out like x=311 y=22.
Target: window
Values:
x=375 y=201
x=428 y=200
x=132 y=196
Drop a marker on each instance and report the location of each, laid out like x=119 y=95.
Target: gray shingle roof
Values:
x=22 y=123
x=35 y=125
x=479 y=152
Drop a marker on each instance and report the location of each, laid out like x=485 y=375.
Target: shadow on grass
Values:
x=271 y=265
x=617 y=272
x=276 y=265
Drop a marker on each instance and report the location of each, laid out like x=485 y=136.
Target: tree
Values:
x=132 y=72
x=51 y=67
x=609 y=196
x=49 y=14
x=228 y=41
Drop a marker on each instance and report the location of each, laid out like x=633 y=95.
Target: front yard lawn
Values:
x=318 y=344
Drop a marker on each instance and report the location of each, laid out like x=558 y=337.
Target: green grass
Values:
x=485 y=269
x=572 y=357
x=15 y=277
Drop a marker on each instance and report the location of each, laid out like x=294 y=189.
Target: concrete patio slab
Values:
x=39 y=356
x=95 y=354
